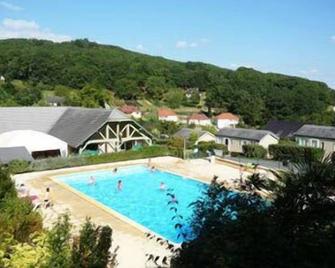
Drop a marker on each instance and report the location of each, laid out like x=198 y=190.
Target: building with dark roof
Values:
x=283 y=129
x=104 y=130
x=316 y=136
x=235 y=138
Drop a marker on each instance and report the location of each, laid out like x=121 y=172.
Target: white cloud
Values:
x=182 y=44
x=140 y=47
x=10 y=6
x=310 y=72
x=10 y=28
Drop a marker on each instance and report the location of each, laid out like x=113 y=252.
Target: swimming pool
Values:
x=141 y=199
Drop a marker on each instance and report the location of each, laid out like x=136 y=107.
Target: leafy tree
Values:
x=92 y=247
x=174 y=97
x=58 y=243
x=255 y=96
x=243 y=230
x=156 y=86
x=126 y=89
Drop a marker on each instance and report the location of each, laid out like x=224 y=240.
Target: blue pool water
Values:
x=141 y=199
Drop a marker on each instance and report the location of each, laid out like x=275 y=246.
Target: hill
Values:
x=89 y=74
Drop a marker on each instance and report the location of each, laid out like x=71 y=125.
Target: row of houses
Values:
x=304 y=134
x=200 y=119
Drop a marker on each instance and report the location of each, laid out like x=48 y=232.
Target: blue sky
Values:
x=294 y=37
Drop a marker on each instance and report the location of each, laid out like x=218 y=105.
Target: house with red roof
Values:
x=166 y=114
x=226 y=120
x=132 y=111
x=199 y=119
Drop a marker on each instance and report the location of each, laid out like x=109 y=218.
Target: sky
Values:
x=295 y=37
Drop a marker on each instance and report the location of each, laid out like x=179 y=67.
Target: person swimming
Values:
x=162 y=186
x=119 y=185
x=152 y=169
x=91 y=181
x=115 y=170
x=173 y=199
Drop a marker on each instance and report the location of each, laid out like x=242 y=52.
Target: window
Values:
x=315 y=143
x=302 y=142
x=226 y=142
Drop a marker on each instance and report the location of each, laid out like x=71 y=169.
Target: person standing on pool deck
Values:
x=119 y=185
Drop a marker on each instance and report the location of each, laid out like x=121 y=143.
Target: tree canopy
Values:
x=242 y=230
x=80 y=64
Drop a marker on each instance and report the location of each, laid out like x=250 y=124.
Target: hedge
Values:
x=293 y=153
x=254 y=151
x=74 y=161
x=211 y=146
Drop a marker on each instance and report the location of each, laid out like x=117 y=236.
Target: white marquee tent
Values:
x=33 y=141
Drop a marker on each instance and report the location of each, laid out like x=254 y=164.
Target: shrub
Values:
x=92 y=247
x=17 y=166
x=18 y=219
x=254 y=151
x=222 y=147
x=205 y=146
x=73 y=161
x=293 y=153
x=7 y=187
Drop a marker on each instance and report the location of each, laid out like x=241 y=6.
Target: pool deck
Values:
x=125 y=235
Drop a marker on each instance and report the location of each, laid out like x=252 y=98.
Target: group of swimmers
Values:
x=162 y=185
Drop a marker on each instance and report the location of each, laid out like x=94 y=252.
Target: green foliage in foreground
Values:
x=254 y=151
x=241 y=231
x=25 y=244
x=293 y=152
x=74 y=161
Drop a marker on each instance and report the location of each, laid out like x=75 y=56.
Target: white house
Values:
x=165 y=114
x=199 y=119
x=226 y=120
x=132 y=111
x=316 y=136
x=235 y=138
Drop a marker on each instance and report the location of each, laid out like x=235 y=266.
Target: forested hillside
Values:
x=89 y=74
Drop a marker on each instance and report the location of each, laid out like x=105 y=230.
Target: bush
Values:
x=17 y=166
x=293 y=153
x=74 y=161
x=18 y=219
x=205 y=146
x=254 y=151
